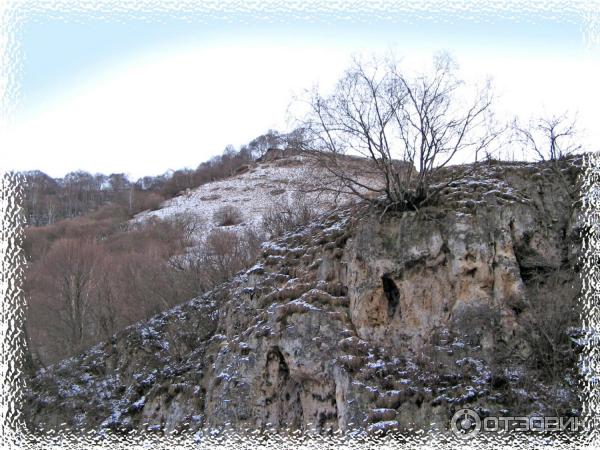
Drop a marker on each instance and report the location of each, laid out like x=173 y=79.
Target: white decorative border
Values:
x=12 y=15
x=590 y=296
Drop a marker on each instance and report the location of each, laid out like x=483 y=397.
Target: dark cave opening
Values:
x=392 y=294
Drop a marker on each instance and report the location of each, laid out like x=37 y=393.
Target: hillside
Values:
x=354 y=322
x=275 y=179
x=127 y=267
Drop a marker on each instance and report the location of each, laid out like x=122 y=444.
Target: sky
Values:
x=122 y=94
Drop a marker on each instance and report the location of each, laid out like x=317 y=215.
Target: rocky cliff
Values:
x=358 y=322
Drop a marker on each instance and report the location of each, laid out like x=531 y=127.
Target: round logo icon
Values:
x=465 y=423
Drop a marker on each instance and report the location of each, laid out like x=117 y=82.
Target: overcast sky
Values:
x=142 y=96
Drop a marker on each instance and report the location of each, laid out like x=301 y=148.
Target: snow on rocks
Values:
x=383 y=427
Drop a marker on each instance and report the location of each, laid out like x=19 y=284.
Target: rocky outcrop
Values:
x=357 y=322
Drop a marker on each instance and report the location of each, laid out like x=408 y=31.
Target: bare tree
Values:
x=407 y=128
x=106 y=312
x=551 y=138
x=259 y=145
x=67 y=279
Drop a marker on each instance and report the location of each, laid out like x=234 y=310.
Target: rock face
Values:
x=356 y=322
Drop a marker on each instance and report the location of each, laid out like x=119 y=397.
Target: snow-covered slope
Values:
x=262 y=186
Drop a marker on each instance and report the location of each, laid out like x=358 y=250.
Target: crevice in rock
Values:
x=392 y=294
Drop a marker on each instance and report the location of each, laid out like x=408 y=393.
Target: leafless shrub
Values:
x=224 y=253
x=227 y=215
x=187 y=225
x=286 y=215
